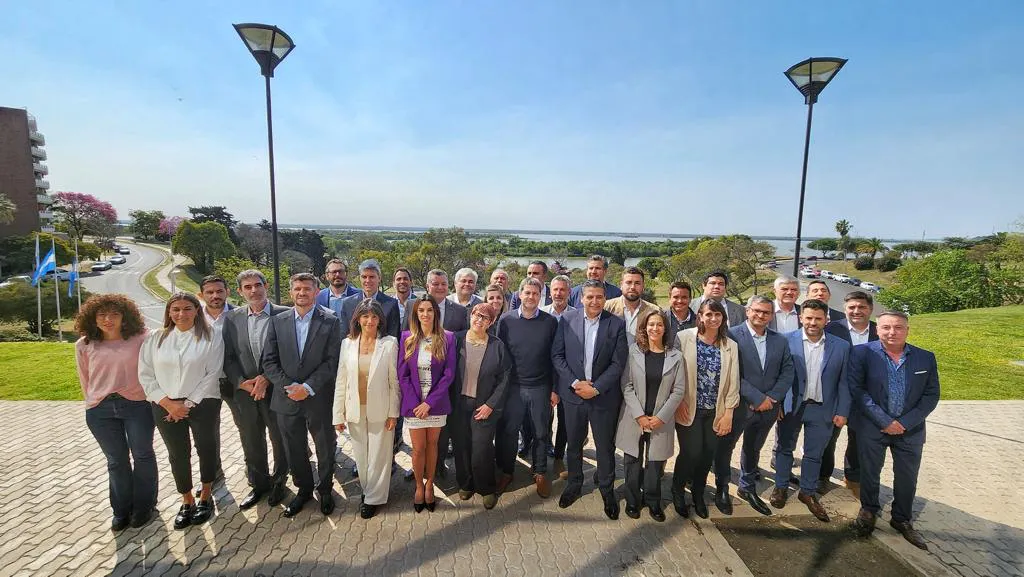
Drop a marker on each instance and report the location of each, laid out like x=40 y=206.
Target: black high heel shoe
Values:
x=431 y=505
x=418 y=507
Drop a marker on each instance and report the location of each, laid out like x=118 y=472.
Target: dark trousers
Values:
x=227 y=394
x=525 y=404
x=727 y=444
x=906 y=463
x=202 y=422
x=398 y=434
x=697 y=444
x=602 y=422
x=560 y=437
x=817 y=432
x=254 y=419
x=474 y=448
x=643 y=477
x=124 y=431
x=755 y=435
x=851 y=462
x=315 y=420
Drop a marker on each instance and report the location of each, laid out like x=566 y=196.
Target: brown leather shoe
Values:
x=864 y=525
x=813 y=506
x=543 y=485
x=504 y=480
x=854 y=488
x=909 y=533
x=779 y=497
x=558 y=468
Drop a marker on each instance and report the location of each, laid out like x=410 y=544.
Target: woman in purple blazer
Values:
x=426 y=368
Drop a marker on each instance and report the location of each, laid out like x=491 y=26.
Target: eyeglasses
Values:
x=481 y=317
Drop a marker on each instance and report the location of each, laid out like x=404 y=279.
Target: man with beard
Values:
x=338 y=286
x=629 y=306
x=213 y=291
x=597 y=269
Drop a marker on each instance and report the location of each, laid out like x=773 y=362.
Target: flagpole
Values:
x=39 y=296
x=78 y=281
x=56 y=290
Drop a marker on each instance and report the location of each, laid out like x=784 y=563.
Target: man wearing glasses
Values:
x=337 y=286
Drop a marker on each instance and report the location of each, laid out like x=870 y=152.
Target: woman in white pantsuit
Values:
x=366 y=401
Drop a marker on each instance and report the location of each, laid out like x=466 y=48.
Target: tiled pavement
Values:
x=55 y=517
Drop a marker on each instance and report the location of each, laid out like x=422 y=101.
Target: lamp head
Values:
x=812 y=75
x=269 y=45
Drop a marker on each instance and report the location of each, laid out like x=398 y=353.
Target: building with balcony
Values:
x=22 y=173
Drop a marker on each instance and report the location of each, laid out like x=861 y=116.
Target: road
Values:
x=127 y=280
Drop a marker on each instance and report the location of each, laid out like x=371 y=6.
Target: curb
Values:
x=163 y=262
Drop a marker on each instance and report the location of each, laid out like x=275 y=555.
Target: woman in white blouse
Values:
x=179 y=368
x=366 y=401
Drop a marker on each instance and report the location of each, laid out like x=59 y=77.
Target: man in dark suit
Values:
x=714 y=287
x=597 y=269
x=245 y=331
x=537 y=269
x=454 y=318
x=301 y=361
x=861 y=329
x=369 y=276
x=680 y=315
x=895 y=386
x=818 y=401
x=589 y=354
x=338 y=286
x=766 y=374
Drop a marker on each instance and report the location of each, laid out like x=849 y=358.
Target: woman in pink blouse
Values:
x=117 y=413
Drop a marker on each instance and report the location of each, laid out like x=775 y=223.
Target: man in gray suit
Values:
x=766 y=374
x=589 y=354
x=301 y=361
x=245 y=331
x=369 y=277
x=713 y=287
x=818 y=401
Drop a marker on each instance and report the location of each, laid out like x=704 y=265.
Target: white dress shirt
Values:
x=630 y=318
x=786 y=322
x=858 y=337
x=760 y=343
x=182 y=367
x=814 y=353
x=590 y=345
x=550 y=309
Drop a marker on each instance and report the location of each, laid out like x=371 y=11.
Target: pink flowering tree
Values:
x=169 y=226
x=79 y=213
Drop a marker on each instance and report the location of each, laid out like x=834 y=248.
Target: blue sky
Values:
x=576 y=115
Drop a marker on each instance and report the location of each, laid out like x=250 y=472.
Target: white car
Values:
x=869 y=286
x=118 y=259
x=101 y=265
x=124 y=250
x=841 y=277
x=826 y=274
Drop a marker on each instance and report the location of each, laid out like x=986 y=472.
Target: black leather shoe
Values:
x=367 y=511
x=723 y=501
x=418 y=507
x=184 y=517
x=611 y=510
x=864 y=525
x=699 y=506
x=754 y=501
x=118 y=524
x=567 y=499
x=430 y=505
x=276 y=495
x=657 y=513
x=326 y=503
x=679 y=503
x=142 y=519
x=909 y=533
x=632 y=512
x=297 y=504
x=203 y=512
x=250 y=500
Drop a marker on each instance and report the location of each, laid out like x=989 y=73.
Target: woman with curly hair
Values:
x=107 y=355
x=179 y=368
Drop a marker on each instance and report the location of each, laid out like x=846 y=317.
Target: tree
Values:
x=309 y=243
x=146 y=223
x=79 y=213
x=203 y=242
x=651 y=266
x=889 y=261
x=825 y=245
x=7 y=209
x=168 y=227
x=843 y=227
x=872 y=246
x=945 y=281
x=255 y=243
x=956 y=242
x=20 y=251
x=217 y=214
x=229 y=267
x=18 y=304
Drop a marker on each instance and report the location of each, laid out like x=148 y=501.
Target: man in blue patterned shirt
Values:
x=895 y=386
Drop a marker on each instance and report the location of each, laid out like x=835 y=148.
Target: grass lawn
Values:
x=38 y=372
x=974 y=349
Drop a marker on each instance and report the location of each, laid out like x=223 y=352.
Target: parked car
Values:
x=101 y=265
x=808 y=273
x=826 y=274
x=22 y=278
x=840 y=277
x=853 y=280
x=870 y=286
x=62 y=275
x=118 y=259
x=124 y=250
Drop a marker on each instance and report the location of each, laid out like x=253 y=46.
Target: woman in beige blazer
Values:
x=366 y=401
x=712 y=392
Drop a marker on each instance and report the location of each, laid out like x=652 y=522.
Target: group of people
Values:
x=486 y=372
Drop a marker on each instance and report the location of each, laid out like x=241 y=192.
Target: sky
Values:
x=622 y=116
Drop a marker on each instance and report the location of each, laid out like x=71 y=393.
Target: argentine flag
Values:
x=48 y=264
x=72 y=279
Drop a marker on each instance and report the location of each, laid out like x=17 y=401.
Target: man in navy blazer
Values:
x=818 y=401
x=369 y=276
x=589 y=354
x=338 y=286
x=895 y=387
x=537 y=269
x=766 y=374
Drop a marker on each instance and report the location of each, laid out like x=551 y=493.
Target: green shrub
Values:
x=863 y=263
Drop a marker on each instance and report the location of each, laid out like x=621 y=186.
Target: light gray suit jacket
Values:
x=634 y=398
x=736 y=312
x=239 y=362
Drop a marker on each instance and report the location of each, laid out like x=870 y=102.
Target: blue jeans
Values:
x=123 y=428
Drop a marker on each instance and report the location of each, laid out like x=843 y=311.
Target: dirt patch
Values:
x=804 y=547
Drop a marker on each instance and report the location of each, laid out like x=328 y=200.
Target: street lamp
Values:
x=810 y=77
x=269 y=45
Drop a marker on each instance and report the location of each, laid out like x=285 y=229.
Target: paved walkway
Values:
x=56 y=519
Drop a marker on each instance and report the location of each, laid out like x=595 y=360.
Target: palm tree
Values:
x=843 y=227
x=873 y=246
x=7 y=209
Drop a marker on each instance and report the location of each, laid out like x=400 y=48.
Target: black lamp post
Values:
x=810 y=77
x=269 y=45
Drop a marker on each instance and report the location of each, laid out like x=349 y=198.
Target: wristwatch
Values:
x=189 y=404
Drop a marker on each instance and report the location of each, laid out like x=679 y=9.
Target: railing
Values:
x=37 y=137
x=45 y=215
x=41 y=169
x=44 y=199
x=38 y=153
x=42 y=184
